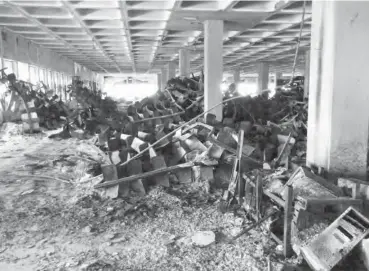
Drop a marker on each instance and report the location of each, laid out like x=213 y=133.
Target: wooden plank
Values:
x=308 y=202
x=259 y=195
x=158 y=162
x=240 y=182
x=279 y=158
x=208 y=127
x=234 y=188
x=355 y=222
x=288 y=209
x=110 y=174
x=146 y=175
x=246 y=230
x=334 y=249
x=276 y=238
x=275 y=198
x=234 y=151
x=352 y=229
x=356 y=191
x=353 y=180
x=134 y=168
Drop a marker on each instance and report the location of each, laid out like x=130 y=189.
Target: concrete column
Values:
x=1 y=49
x=338 y=94
x=307 y=74
x=278 y=75
x=213 y=66
x=171 y=70
x=236 y=76
x=184 y=62
x=164 y=78
x=263 y=76
x=158 y=81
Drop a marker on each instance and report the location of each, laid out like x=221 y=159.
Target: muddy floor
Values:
x=51 y=218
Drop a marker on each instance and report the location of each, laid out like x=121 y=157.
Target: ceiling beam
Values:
x=226 y=4
x=235 y=25
x=285 y=28
x=76 y=16
x=124 y=18
x=274 y=53
x=176 y=4
x=47 y=30
x=274 y=32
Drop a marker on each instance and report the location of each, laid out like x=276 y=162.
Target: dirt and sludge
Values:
x=159 y=185
x=62 y=223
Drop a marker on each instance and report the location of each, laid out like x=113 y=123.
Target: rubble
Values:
x=33 y=104
x=255 y=155
x=203 y=238
x=336 y=241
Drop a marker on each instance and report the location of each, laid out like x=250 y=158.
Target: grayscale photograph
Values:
x=184 y=135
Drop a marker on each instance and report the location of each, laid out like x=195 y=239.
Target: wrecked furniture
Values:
x=335 y=242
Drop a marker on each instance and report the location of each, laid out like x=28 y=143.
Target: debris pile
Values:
x=167 y=137
x=35 y=105
x=187 y=93
x=256 y=155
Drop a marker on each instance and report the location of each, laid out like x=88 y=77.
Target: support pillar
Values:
x=236 y=76
x=263 y=76
x=164 y=78
x=158 y=81
x=1 y=50
x=307 y=74
x=213 y=66
x=171 y=70
x=184 y=62
x=278 y=75
x=338 y=94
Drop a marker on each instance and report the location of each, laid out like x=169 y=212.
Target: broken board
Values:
x=307 y=184
x=336 y=241
x=158 y=162
x=135 y=168
x=110 y=173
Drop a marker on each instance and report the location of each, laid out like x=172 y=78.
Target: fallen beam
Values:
x=288 y=212
x=306 y=202
x=233 y=151
x=145 y=175
x=275 y=198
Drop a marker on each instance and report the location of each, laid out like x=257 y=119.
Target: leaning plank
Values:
x=288 y=211
x=146 y=175
x=110 y=174
x=275 y=198
x=306 y=202
x=233 y=151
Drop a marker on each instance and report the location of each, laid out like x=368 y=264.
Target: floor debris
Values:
x=155 y=185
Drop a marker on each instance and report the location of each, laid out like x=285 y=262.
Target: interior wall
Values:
x=15 y=47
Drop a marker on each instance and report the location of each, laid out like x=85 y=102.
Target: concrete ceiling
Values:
x=142 y=36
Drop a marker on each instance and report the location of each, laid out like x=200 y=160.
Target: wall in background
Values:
x=15 y=47
x=30 y=62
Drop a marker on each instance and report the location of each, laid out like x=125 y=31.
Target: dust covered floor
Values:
x=59 y=222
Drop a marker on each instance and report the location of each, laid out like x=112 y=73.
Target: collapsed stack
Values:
x=155 y=133
x=188 y=93
x=31 y=104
